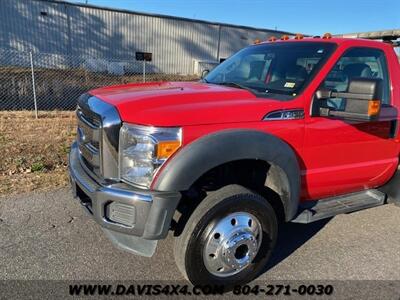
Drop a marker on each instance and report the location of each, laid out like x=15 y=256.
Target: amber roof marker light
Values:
x=272 y=39
x=284 y=37
x=327 y=36
x=257 y=41
x=298 y=36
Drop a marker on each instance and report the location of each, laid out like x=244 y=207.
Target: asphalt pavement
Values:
x=49 y=236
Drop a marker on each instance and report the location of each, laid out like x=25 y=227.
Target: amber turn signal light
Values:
x=374 y=107
x=166 y=148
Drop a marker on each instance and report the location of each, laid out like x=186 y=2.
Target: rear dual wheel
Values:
x=228 y=239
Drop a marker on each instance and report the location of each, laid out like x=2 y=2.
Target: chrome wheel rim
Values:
x=232 y=244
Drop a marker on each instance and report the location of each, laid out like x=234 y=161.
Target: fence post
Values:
x=144 y=70
x=33 y=85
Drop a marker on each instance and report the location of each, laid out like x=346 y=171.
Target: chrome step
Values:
x=329 y=207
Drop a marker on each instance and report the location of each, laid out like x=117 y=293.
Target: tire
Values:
x=191 y=246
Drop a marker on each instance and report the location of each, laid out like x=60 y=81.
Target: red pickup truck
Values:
x=290 y=130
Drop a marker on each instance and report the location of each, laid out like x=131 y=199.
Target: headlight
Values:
x=143 y=150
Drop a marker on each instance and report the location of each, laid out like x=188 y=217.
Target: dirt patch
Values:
x=34 y=151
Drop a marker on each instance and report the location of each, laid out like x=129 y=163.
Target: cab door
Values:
x=342 y=156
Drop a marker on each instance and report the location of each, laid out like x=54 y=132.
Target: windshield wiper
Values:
x=237 y=85
x=274 y=91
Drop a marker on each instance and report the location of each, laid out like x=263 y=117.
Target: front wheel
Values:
x=228 y=239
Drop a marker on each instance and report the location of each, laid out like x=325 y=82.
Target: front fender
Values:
x=221 y=147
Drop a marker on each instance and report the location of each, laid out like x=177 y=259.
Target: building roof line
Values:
x=163 y=16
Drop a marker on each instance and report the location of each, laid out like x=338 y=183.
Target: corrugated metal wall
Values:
x=233 y=39
x=63 y=28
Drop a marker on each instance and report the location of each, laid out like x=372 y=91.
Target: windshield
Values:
x=273 y=69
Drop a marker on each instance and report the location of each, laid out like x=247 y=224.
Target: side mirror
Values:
x=204 y=73
x=363 y=100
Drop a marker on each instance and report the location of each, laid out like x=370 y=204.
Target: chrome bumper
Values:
x=151 y=211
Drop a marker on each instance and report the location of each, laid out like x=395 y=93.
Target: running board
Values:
x=330 y=207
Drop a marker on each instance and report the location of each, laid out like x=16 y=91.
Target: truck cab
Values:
x=290 y=130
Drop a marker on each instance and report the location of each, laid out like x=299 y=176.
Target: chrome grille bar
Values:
x=88 y=131
x=89 y=140
x=98 y=136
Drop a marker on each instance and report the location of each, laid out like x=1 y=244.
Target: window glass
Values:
x=357 y=63
x=277 y=70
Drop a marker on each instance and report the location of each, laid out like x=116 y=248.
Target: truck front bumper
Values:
x=133 y=219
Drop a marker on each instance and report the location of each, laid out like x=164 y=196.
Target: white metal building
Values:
x=63 y=28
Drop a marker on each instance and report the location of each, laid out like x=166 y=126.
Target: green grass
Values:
x=38 y=167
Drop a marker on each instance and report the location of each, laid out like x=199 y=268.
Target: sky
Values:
x=313 y=17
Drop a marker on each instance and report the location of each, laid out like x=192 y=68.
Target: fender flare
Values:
x=215 y=149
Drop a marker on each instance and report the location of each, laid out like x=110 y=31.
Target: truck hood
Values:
x=184 y=103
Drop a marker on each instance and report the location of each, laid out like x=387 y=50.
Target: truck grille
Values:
x=89 y=134
x=98 y=137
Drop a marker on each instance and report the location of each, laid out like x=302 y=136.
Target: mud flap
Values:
x=392 y=188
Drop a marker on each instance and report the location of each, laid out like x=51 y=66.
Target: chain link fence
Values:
x=43 y=81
